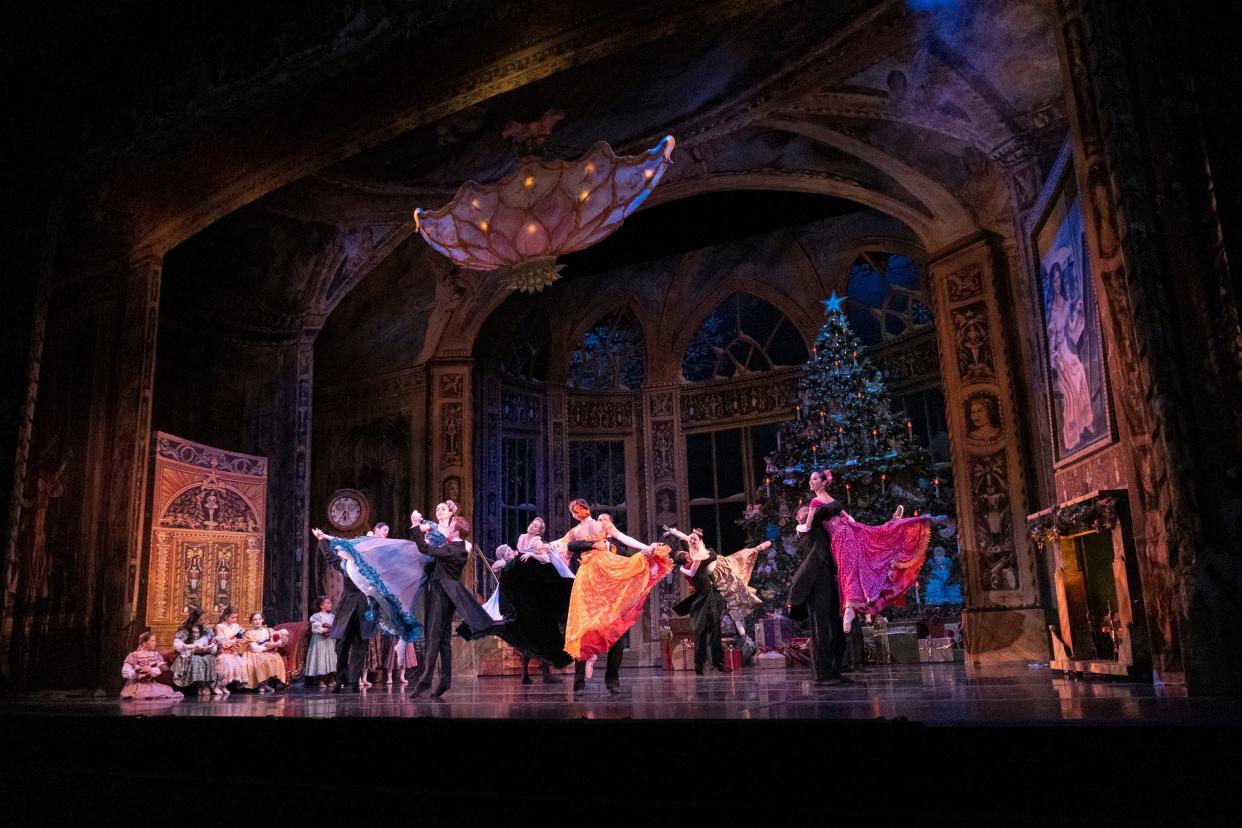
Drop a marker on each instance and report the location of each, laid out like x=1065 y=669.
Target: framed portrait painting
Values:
x=1078 y=383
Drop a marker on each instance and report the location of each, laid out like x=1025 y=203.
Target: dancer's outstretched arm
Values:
x=677 y=533
x=618 y=535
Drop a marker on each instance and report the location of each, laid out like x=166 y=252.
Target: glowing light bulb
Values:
x=474 y=202
x=529 y=182
x=483 y=226
x=590 y=168
x=530 y=228
x=582 y=196
x=648 y=173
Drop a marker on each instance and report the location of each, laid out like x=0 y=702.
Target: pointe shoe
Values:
x=215 y=691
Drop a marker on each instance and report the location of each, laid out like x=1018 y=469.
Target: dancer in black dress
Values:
x=705 y=606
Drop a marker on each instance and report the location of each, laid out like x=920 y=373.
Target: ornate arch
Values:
x=575 y=342
x=756 y=344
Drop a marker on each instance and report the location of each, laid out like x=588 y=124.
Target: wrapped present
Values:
x=683 y=654
x=732 y=659
x=903 y=647
x=935 y=650
x=772 y=632
x=666 y=654
x=798 y=652
x=681 y=626
x=770 y=660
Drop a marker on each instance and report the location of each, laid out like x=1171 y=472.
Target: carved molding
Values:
x=733 y=401
x=600 y=412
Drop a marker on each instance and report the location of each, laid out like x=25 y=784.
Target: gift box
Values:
x=683 y=654
x=903 y=647
x=770 y=660
x=732 y=659
x=772 y=632
x=798 y=652
x=935 y=650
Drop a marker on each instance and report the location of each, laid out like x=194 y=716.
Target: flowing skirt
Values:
x=391 y=572
x=608 y=596
x=188 y=669
x=148 y=689
x=382 y=652
x=731 y=578
x=263 y=666
x=877 y=564
x=230 y=668
x=534 y=601
x=320 y=656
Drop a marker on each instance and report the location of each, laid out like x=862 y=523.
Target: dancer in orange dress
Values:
x=609 y=591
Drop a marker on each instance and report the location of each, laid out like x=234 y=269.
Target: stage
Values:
x=1023 y=745
x=933 y=695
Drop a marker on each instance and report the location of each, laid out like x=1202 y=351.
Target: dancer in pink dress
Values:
x=875 y=564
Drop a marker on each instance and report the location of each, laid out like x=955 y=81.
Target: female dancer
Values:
x=230 y=663
x=608 y=592
x=390 y=571
x=705 y=606
x=875 y=564
x=195 y=663
x=731 y=575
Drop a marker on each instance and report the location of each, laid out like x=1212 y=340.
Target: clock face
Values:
x=345 y=510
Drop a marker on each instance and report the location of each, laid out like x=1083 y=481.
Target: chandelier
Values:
x=545 y=208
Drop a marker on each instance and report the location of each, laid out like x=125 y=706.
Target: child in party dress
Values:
x=140 y=669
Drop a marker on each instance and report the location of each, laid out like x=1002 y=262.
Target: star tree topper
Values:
x=832 y=303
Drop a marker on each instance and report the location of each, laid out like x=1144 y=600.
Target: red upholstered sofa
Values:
x=294 y=653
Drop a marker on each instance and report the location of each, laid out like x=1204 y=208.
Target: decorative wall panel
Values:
x=208 y=509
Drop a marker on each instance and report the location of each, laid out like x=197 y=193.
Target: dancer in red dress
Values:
x=875 y=564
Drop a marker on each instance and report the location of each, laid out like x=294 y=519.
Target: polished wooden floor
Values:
x=923 y=744
x=928 y=694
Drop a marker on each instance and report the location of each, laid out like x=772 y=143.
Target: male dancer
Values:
x=351 y=630
x=445 y=593
x=705 y=606
x=608 y=592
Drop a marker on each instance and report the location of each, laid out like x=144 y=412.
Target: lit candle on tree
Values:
x=884 y=484
x=847 y=495
x=936 y=483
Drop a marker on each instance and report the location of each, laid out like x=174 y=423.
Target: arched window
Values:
x=743 y=335
x=884 y=297
x=612 y=355
x=526 y=352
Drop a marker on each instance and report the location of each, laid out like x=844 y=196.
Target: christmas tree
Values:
x=843 y=422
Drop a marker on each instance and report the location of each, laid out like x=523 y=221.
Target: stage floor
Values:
x=928 y=694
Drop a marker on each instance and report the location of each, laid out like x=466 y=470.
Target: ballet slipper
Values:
x=215 y=691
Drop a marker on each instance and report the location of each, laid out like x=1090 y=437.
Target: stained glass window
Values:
x=885 y=300
x=597 y=474
x=526 y=353
x=743 y=335
x=612 y=355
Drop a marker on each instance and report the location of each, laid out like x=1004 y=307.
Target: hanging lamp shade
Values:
x=545 y=208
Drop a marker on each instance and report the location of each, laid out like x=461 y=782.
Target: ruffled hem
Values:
x=393 y=619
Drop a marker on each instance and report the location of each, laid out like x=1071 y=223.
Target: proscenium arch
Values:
x=166 y=213
x=925 y=226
